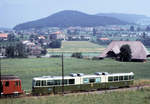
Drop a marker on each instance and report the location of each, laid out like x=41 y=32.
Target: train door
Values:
x=16 y=86
x=1 y=87
x=6 y=87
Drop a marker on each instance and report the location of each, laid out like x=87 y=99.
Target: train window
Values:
x=19 y=83
x=126 y=77
x=110 y=79
x=16 y=83
x=71 y=81
x=50 y=82
x=120 y=78
x=92 y=80
x=7 y=83
x=97 y=80
x=132 y=77
x=116 y=78
x=37 y=83
x=43 y=83
x=57 y=82
x=85 y=80
x=1 y=84
x=33 y=83
x=65 y=81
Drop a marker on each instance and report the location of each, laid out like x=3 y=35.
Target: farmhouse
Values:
x=57 y=35
x=139 y=51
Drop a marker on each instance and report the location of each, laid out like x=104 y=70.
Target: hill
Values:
x=131 y=18
x=69 y=18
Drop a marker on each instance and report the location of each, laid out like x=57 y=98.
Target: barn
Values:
x=139 y=51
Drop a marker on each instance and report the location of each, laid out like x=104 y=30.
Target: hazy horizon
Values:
x=14 y=12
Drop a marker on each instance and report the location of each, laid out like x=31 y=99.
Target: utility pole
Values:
x=62 y=74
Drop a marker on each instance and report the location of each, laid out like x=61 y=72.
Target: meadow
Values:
x=28 y=68
x=78 y=46
x=122 y=97
x=87 y=48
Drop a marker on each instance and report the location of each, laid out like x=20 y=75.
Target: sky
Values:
x=13 y=12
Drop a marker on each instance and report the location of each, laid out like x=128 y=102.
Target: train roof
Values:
x=120 y=74
x=52 y=77
x=9 y=77
x=83 y=76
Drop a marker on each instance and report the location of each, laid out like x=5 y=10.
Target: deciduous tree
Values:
x=125 y=53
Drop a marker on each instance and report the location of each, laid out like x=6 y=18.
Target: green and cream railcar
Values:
x=80 y=82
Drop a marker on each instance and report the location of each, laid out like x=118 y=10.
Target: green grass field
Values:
x=26 y=69
x=78 y=46
x=87 y=48
x=125 y=97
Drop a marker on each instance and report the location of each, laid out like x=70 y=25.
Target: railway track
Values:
x=132 y=88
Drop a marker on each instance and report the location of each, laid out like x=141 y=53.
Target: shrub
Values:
x=55 y=44
x=96 y=58
x=77 y=55
x=56 y=56
x=38 y=56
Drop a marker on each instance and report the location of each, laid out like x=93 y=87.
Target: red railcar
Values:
x=10 y=85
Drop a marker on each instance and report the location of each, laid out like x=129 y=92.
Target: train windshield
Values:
x=33 y=83
x=1 y=86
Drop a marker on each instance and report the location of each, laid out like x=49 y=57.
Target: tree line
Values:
x=16 y=50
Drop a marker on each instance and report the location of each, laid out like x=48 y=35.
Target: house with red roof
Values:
x=3 y=36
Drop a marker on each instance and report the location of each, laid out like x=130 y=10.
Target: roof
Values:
x=104 y=38
x=52 y=77
x=3 y=35
x=84 y=76
x=138 y=50
x=26 y=42
x=9 y=77
x=41 y=37
x=58 y=32
x=121 y=74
